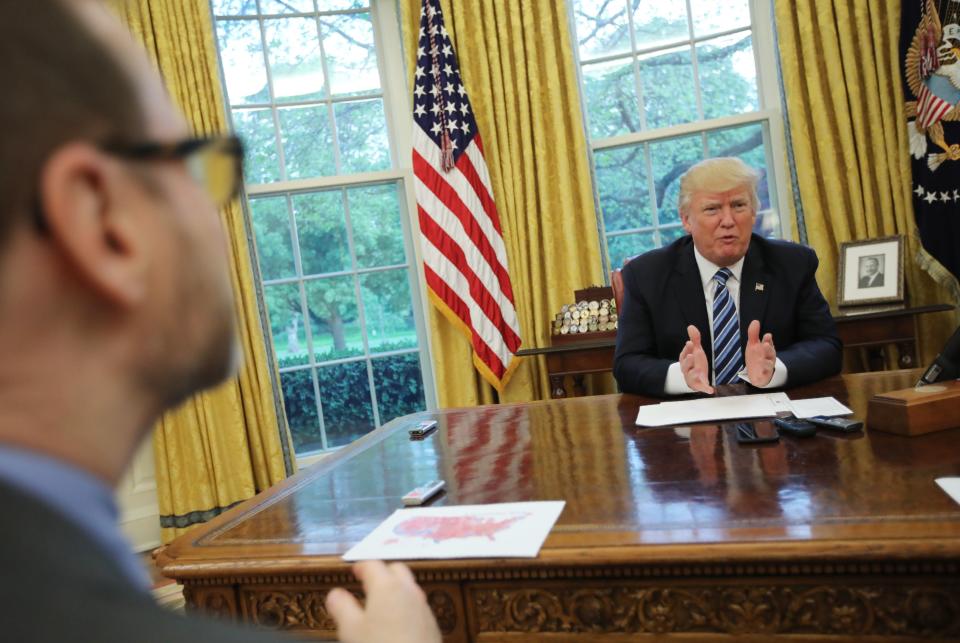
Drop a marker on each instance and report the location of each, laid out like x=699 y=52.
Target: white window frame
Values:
x=397 y=110
x=769 y=116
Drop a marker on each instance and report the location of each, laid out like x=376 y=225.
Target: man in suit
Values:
x=693 y=312
x=115 y=305
x=870 y=274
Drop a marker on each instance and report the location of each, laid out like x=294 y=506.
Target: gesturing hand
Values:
x=693 y=363
x=760 y=358
x=396 y=609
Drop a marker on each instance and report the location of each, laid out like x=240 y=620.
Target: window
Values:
x=328 y=205
x=667 y=83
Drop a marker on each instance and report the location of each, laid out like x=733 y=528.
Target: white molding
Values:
x=685 y=129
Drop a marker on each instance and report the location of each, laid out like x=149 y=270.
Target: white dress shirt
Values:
x=676 y=384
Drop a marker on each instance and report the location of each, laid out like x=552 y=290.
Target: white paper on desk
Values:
x=951 y=486
x=812 y=407
x=710 y=409
x=505 y=530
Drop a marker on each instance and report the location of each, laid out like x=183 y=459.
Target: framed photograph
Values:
x=871 y=272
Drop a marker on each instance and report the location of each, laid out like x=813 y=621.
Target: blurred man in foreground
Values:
x=722 y=305
x=115 y=305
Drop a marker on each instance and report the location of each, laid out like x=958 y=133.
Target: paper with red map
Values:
x=506 y=530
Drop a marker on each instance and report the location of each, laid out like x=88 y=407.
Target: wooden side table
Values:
x=876 y=330
x=575 y=360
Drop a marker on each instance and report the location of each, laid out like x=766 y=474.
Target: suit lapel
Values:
x=754 y=283
x=689 y=291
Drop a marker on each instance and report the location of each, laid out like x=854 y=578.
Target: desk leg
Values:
x=556 y=387
x=578 y=388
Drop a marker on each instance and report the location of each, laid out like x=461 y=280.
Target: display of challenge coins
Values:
x=592 y=316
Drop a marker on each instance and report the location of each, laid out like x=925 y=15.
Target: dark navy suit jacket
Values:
x=663 y=294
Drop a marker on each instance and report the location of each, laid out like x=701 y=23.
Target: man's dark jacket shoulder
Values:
x=663 y=294
x=60 y=586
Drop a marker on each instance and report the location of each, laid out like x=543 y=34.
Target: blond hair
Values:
x=718 y=175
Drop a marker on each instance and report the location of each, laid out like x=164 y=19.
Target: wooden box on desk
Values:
x=915 y=411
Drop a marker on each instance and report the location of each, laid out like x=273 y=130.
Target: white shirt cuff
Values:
x=676 y=384
x=778 y=379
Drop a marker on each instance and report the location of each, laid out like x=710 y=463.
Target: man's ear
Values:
x=83 y=193
x=685 y=219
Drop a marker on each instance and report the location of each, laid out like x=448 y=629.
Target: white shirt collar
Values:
x=708 y=269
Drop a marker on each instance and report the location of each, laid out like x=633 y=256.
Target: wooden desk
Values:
x=668 y=530
x=575 y=360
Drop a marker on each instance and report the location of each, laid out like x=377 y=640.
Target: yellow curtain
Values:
x=842 y=78
x=223 y=446
x=517 y=63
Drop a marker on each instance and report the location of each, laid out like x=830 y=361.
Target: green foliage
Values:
x=347 y=408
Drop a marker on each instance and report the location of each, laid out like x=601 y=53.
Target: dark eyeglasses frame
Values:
x=177 y=150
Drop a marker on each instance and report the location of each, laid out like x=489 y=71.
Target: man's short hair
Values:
x=62 y=85
x=718 y=175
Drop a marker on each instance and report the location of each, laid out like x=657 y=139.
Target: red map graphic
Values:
x=443 y=528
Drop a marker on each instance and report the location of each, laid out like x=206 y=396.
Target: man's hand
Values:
x=396 y=609
x=760 y=358
x=693 y=363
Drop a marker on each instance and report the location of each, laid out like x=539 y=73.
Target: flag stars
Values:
x=945 y=197
x=919 y=191
x=465 y=127
x=931 y=197
x=449 y=88
x=435 y=109
x=956 y=195
x=419 y=91
x=435 y=91
x=453 y=126
x=436 y=129
x=419 y=110
x=447 y=49
x=451 y=108
x=419 y=73
x=421 y=52
x=448 y=70
x=461 y=90
x=464 y=108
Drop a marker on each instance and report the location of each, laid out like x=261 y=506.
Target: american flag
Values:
x=465 y=261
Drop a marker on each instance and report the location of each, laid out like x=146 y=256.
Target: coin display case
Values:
x=591 y=316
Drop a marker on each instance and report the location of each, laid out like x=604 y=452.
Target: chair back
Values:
x=616 y=282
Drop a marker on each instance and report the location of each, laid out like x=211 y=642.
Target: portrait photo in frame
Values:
x=871 y=272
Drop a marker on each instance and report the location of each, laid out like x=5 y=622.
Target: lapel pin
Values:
x=758 y=287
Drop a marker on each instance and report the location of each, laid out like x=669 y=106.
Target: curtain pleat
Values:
x=225 y=445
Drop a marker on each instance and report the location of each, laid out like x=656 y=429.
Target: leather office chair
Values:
x=616 y=282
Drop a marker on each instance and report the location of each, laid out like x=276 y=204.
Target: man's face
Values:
x=720 y=224
x=188 y=323
x=870 y=267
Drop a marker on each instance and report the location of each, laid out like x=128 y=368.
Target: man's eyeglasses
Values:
x=216 y=163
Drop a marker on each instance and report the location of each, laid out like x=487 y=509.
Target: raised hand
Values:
x=396 y=608
x=693 y=363
x=760 y=356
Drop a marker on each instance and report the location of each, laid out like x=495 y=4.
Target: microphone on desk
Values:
x=947 y=364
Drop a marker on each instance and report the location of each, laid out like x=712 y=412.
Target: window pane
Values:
x=387 y=310
x=671 y=158
x=322 y=229
x=271 y=225
x=611 y=95
x=339 y=5
x=399 y=386
x=241 y=52
x=362 y=135
x=713 y=16
x=625 y=246
x=295 y=63
x=255 y=126
x=602 y=27
x=286 y=324
x=286 y=6
x=622 y=184
x=347 y=410
x=728 y=76
x=747 y=143
x=351 y=54
x=307 y=143
x=300 y=402
x=660 y=22
x=669 y=97
x=234 y=7
x=375 y=219
x=334 y=320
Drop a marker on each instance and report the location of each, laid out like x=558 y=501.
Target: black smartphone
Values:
x=796 y=427
x=755 y=432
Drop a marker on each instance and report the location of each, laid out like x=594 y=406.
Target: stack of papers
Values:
x=713 y=409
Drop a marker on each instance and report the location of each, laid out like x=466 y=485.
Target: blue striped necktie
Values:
x=727 y=355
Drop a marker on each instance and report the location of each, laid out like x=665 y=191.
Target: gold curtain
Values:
x=842 y=77
x=517 y=64
x=223 y=446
